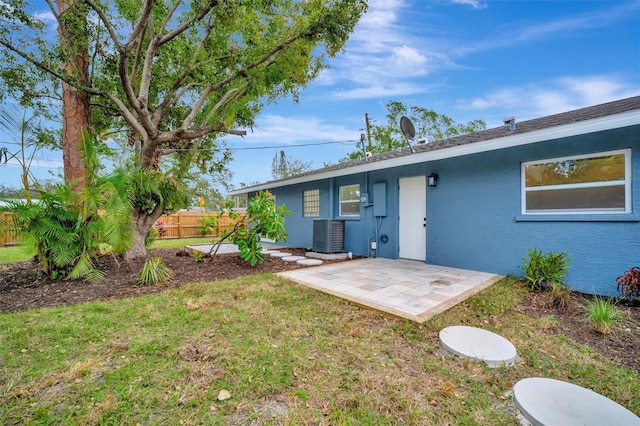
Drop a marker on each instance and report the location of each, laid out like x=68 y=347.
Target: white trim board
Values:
x=609 y=122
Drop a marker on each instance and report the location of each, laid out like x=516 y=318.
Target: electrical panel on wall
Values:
x=380 y=199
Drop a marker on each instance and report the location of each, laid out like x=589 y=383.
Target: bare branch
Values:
x=167 y=137
x=149 y=56
x=56 y=15
x=171 y=99
x=138 y=29
x=169 y=16
x=231 y=95
x=105 y=20
x=128 y=116
x=184 y=26
x=62 y=76
x=196 y=108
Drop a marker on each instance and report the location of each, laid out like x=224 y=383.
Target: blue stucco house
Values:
x=569 y=181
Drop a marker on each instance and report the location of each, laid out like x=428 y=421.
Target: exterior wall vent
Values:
x=511 y=122
x=328 y=236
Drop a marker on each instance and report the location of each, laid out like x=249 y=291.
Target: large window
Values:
x=596 y=183
x=350 y=200
x=311 y=203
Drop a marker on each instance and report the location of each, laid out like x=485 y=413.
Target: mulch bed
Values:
x=622 y=345
x=24 y=286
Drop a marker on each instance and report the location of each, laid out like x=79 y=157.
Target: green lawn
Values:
x=10 y=254
x=286 y=354
x=26 y=251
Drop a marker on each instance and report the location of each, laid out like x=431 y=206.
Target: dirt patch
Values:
x=25 y=286
x=622 y=345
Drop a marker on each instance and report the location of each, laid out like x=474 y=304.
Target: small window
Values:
x=350 y=200
x=241 y=201
x=596 y=183
x=311 y=203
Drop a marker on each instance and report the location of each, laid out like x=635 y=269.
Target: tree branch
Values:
x=170 y=15
x=62 y=76
x=167 y=137
x=105 y=20
x=184 y=26
x=231 y=95
x=128 y=116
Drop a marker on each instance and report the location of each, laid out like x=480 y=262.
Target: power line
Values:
x=294 y=146
x=346 y=142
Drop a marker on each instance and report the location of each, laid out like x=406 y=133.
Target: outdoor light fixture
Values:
x=432 y=179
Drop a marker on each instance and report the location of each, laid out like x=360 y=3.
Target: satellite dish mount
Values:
x=408 y=130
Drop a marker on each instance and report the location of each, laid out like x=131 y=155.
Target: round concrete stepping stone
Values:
x=269 y=251
x=292 y=258
x=309 y=262
x=554 y=402
x=280 y=254
x=478 y=344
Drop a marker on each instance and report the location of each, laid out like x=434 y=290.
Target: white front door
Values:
x=412 y=218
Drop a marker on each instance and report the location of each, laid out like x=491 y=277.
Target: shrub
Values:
x=542 y=270
x=198 y=255
x=262 y=219
x=629 y=284
x=603 y=314
x=160 y=229
x=154 y=271
x=208 y=224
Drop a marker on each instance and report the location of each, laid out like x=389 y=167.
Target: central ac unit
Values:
x=328 y=235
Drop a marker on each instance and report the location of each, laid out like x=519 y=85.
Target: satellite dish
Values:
x=408 y=130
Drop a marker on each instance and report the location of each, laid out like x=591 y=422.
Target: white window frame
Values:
x=626 y=182
x=315 y=193
x=342 y=202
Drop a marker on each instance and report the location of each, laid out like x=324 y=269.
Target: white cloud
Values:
x=384 y=57
x=554 y=96
x=546 y=30
x=280 y=130
x=473 y=3
x=387 y=91
x=46 y=16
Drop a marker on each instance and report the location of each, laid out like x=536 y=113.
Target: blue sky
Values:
x=468 y=59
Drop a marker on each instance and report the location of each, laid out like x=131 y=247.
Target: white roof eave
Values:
x=628 y=118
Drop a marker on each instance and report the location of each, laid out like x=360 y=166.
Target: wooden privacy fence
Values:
x=177 y=225
x=7 y=236
x=186 y=224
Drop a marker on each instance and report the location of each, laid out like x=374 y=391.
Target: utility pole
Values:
x=366 y=120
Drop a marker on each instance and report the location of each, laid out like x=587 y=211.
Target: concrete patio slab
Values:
x=405 y=288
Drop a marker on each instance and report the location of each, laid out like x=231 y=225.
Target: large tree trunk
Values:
x=76 y=114
x=142 y=222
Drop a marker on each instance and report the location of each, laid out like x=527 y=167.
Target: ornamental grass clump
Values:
x=603 y=314
x=154 y=272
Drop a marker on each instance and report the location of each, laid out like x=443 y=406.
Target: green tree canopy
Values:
x=283 y=167
x=428 y=124
x=176 y=74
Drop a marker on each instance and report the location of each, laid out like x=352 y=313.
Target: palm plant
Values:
x=68 y=226
x=28 y=135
